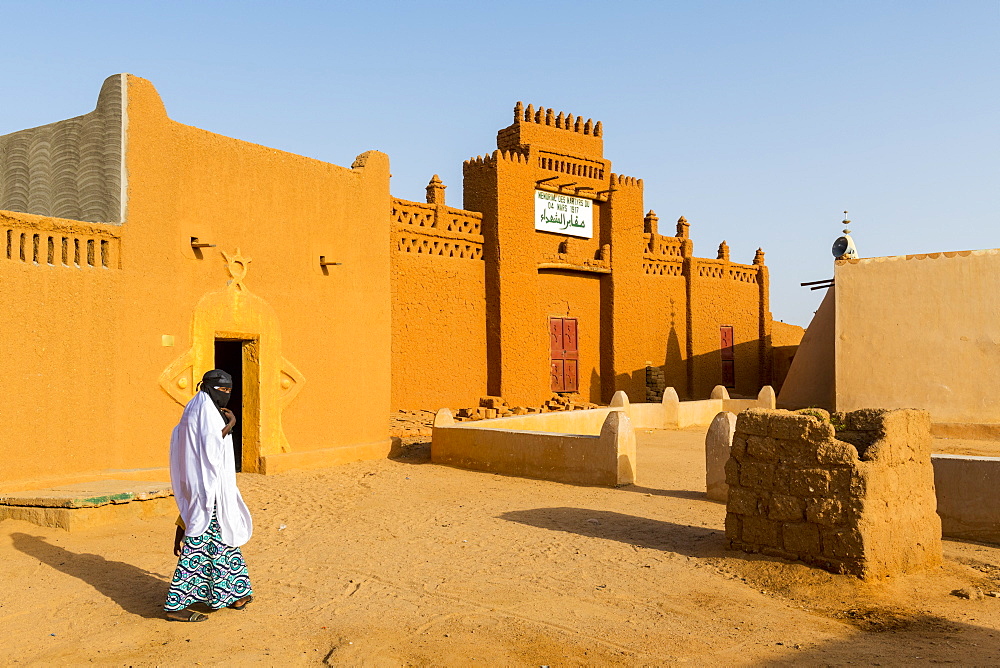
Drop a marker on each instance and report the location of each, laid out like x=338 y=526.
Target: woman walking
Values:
x=214 y=522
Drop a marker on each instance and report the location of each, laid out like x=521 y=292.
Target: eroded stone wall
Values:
x=852 y=493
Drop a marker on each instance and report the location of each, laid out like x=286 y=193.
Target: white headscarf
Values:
x=203 y=474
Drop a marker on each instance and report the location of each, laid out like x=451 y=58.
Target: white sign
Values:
x=564 y=214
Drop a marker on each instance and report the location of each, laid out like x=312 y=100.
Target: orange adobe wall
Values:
x=785 y=339
x=438 y=308
x=107 y=327
x=638 y=297
x=337 y=301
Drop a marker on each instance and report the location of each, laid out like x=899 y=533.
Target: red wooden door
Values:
x=565 y=354
x=728 y=356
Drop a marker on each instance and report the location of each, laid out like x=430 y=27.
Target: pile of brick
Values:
x=656 y=383
x=566 y=402
x=494 y=407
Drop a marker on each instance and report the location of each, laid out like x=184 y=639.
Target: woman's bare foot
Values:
x=240 y=603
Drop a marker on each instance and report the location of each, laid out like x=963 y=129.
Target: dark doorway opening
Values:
x=229 y=358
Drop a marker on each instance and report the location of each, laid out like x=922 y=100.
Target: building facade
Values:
x=907 y=331
x=136 y=253
x=552 y=279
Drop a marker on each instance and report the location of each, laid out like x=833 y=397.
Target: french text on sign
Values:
x=564 y=214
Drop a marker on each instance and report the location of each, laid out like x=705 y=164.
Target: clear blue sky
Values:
x=759 y=121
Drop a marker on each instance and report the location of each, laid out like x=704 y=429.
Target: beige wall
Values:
x=967 y=500
x=920 y=331
x=810 y=379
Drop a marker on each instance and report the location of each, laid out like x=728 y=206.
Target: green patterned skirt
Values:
x=209 y=571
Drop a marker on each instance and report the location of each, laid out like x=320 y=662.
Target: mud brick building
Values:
x=137 y=252
x=497 y=299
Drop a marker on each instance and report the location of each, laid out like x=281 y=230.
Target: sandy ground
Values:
x=402 y=562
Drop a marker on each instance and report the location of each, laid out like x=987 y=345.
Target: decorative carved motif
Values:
x=237 y=266
x=234 y=312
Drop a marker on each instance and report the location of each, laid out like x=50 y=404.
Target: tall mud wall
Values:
x=725 y=293
x=438 y=306
x=103 y=346
x=920 y=330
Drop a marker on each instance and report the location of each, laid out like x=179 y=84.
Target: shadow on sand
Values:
x=904 y=639
x=682 y=539
x=411 y=450
x=676 y=493
x=136 y=590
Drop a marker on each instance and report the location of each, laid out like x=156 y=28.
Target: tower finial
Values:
x=682 y=227
x=723 y=251
x=758 y=257
x=518 y=112
x=651 y=223
x=435 y=190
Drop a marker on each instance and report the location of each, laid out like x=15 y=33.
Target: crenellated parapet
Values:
x=665 y=256
x=557 y=131
x=499 y=155
x=622 y=181
x=662 y=256
x=725 y=270
x=660 y=247
x=562 y=121
x=435 y=229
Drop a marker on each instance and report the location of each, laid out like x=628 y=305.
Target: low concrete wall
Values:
x=581 y=423
x=967 y=498
x=520 y=446
x=574 y=446
x=680 y=414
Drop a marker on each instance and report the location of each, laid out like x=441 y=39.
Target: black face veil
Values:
x=217 y=378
